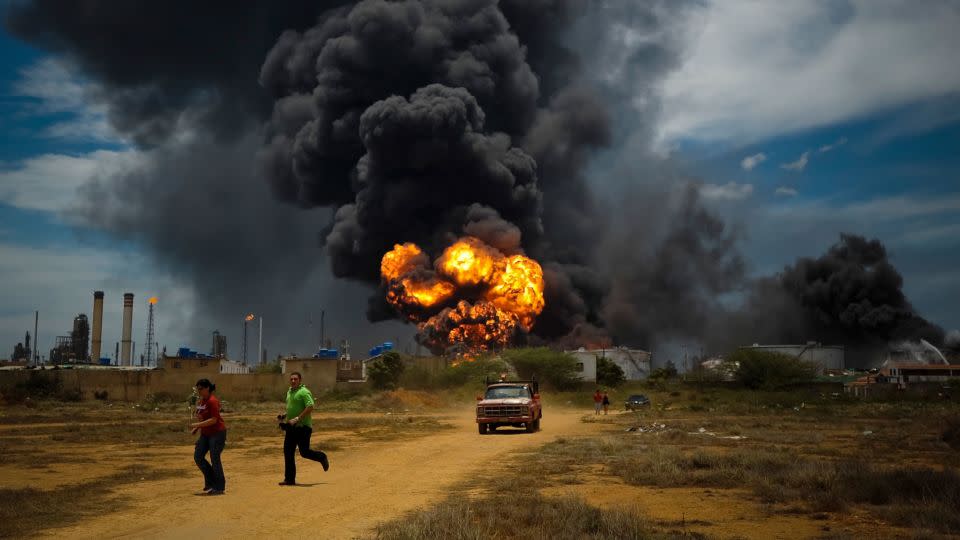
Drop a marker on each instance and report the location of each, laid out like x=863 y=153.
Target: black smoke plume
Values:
x=409 y=116
x=851 y=295
x=396 y=121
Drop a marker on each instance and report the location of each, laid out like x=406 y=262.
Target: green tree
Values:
x=609 y=373
x=553 y=368
x=668 y=371
x=769 y=370
x=385 y=372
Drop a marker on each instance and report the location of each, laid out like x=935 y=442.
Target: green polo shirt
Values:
x=297 y=401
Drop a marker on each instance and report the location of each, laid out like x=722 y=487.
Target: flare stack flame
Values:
x=473 y=296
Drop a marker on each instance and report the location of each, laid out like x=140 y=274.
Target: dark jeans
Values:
x=294 y=437
x=212 y=470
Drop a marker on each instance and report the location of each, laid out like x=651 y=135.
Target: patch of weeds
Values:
x=499 y=516
x=32 y=511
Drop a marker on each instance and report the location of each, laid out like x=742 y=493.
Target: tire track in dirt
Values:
x=365 y=486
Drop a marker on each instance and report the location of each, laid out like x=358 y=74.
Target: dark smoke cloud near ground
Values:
x=320 y=133
x=851 y=295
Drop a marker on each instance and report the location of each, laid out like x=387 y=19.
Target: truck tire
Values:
x=482 y=428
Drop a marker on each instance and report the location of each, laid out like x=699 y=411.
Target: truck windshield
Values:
x=500 y=392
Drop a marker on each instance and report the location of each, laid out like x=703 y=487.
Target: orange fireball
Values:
x=418 y=292
x=480 y=327
x=402 y=259
x=498 y=297
x=468 y=262
x=518 y=288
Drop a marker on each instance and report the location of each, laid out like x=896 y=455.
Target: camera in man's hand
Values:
x=282 y=418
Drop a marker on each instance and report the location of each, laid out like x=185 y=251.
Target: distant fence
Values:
x=129 y=385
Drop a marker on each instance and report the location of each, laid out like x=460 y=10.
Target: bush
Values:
x=609 y=373
x=476 y=371
x=384 y=372
x=554 y=368
x=668 y=371
x=771 y=370
x=417 y=378
x=38 y=385
x=951 y=433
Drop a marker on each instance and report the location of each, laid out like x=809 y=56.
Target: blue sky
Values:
x=859 y=132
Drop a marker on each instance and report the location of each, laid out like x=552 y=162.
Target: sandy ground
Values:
x=365 y=486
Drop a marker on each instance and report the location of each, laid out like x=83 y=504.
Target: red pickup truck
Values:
x=509 y=403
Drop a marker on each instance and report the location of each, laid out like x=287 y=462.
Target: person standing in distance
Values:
x=298 y=430
x=213 y=437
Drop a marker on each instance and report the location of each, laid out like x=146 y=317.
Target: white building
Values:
x=634 y=362
x=231 y=366
x=826 y=357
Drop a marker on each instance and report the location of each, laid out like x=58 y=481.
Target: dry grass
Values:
x=28 y=511
x=800 y=453
x=515 y=510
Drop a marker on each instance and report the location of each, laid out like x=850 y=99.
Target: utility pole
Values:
x=260 y=344
x=323 y=341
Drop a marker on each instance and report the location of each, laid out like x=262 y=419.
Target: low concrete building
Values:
x=202 y=364
x=909 y=373
x=826 y=357
x=635 y=363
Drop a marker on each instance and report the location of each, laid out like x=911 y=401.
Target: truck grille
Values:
x=504 y=410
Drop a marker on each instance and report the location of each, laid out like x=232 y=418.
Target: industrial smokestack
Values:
x=125 y=341
x=97 y=326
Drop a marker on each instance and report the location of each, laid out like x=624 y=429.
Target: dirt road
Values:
x=365 y=486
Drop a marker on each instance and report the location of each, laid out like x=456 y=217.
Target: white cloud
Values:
x=799 y=165
x=49 y=182
x=886 y=210
x=57 y=90
x=730 y=191
x=755 y=69
x=784 y=191
x=750 y=162
x=828 y=147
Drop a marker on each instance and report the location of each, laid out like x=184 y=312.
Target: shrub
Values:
x=669 y=371
x=548 y=366
x=476 y=371
x=609 y=373
x=385 y=372
x=951 y=432
x=770 y=370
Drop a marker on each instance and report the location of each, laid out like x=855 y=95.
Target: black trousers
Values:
x=297 y=437
x=212 y=470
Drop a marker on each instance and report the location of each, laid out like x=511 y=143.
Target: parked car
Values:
x=637 y=401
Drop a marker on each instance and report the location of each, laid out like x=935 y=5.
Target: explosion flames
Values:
x=473 y=296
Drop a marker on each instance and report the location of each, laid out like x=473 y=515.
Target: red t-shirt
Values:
x=210 y=408
x=597 y=398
